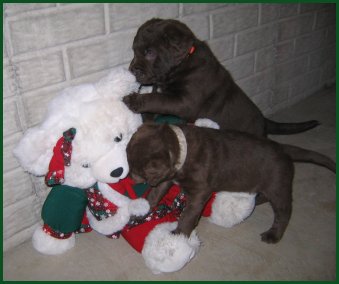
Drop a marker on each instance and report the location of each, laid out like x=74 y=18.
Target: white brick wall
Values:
x=278 y=53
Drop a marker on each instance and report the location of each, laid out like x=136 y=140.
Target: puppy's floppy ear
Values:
x=179 y=38
x=156 y=171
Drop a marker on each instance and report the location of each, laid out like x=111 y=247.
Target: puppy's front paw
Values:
x=176 y=232
x=133 y=101
x=137 y=219
x=270 y=237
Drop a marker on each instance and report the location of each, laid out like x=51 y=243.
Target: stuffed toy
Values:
x=80 y=148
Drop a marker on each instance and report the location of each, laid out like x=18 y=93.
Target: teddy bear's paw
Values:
x=231 y=208
x=47 y=244
x=139 y=207
x=205 y=122
x=167 y=252
x=110 y=225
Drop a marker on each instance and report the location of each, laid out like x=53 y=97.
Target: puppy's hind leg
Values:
x=279 y=194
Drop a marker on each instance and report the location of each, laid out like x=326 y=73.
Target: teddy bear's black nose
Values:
x=117 y=172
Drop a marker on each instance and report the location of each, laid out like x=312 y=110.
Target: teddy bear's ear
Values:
x=118 y=83
x=34 y=151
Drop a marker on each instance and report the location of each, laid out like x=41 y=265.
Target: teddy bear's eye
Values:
x=118 y=138
x=86 y=165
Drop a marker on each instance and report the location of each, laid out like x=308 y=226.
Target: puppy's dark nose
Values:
x=117 y=172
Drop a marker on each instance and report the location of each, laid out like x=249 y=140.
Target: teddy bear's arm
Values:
x=113 y=196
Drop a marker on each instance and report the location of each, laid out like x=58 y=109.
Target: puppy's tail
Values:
x=279 y=128
x=308 y=156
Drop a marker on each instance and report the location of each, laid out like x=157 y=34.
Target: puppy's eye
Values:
x=118 y=138
x=150 y=53
x=86 y=165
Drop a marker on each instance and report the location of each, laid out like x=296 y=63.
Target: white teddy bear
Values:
x=103 y=126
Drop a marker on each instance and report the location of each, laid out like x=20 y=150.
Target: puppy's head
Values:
x=152 y=153
x=159 y=46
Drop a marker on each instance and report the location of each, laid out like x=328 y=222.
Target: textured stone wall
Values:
x=278 y=53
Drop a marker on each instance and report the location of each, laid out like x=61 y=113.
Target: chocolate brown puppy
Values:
x=203 y=160
x=189 y=82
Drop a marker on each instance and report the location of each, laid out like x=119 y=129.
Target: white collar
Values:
x=182 y=145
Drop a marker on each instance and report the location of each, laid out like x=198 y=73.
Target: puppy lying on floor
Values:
x=204 y=160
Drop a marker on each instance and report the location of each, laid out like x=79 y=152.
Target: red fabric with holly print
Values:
x=168 y=210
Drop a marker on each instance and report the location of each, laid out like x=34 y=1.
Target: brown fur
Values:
x=217 y=161
x=193 y=85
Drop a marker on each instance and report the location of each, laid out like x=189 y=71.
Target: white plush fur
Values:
x=138 y=207
x=99 y=116
x=109 y=225
x=231 y=208
x=46 y=244
x=118 y=83
x=166 y=252
x=113 y=196
x=92 y=109
x=205 y=122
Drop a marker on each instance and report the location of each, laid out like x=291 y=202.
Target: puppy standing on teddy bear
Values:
x=80 y=148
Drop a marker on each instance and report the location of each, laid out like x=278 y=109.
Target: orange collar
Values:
x=192 y=49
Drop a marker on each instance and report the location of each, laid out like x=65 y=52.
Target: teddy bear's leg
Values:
x=62 y=213
x=162 y=250
x=227 y=209
x=47 y=244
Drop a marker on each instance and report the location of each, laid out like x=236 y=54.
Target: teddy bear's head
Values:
x=101 y=126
